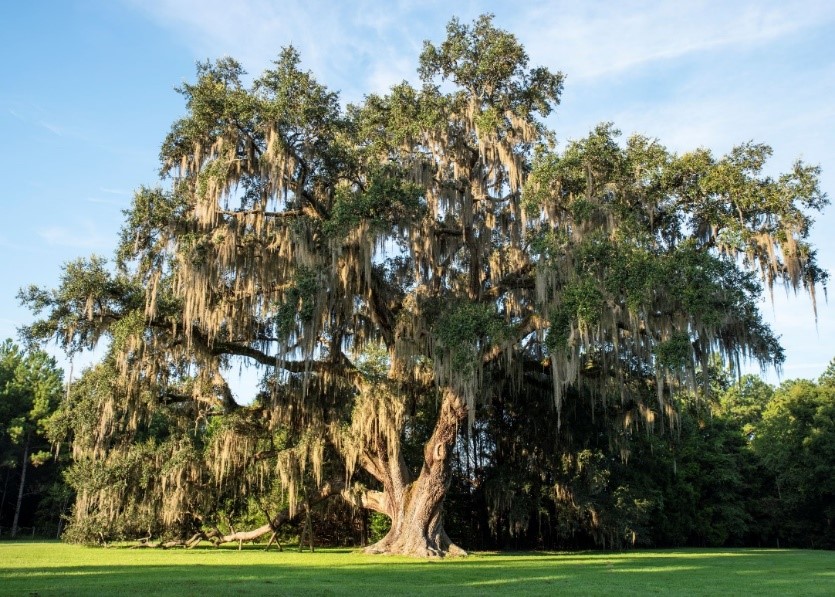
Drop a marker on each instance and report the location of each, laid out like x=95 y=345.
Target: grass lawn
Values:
x=50 y=568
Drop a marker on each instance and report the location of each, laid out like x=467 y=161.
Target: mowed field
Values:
x=50 y=568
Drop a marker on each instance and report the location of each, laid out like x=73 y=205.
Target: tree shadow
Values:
x=626 y=573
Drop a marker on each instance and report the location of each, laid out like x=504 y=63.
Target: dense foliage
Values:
x=751 y=467
x=34 y=495
x=403 y=266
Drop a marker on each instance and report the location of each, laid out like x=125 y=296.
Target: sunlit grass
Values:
x=57 y=569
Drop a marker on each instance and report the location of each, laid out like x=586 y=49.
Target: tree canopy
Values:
x=439 y=228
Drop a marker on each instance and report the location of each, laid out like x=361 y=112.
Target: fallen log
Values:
x=217 y=538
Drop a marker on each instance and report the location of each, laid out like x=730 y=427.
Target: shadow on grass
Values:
x=210 y=571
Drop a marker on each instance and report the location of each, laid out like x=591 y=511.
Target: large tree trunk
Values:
x=22 y=484
x=416 y=509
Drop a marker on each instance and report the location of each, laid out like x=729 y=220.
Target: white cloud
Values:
x=589 y=40
x=363 y=46
x=384 y=75
x=352 y=47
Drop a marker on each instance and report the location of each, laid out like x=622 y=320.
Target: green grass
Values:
x=51 y=568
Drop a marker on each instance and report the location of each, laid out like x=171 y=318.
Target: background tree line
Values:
x=751 y=466
x=34 y=493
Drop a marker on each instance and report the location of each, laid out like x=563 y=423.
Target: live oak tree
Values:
x=438 y=225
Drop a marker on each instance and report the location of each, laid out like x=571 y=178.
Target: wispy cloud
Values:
x=84 y=235
x=114 y=191
x=589 y=40
x=35 y=116
x=353 y=47
x=378 y=40
x=100 y=201
x=55 y=130
x=715 y=111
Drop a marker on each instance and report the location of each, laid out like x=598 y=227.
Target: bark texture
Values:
x=416 y=507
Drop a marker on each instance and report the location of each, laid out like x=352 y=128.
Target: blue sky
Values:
x=88 y=95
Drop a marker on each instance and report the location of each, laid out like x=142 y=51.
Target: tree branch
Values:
x=290 y=213
x=327 y=491
x=520 y=279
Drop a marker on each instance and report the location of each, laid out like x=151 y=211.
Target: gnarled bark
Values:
x=416 y=508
